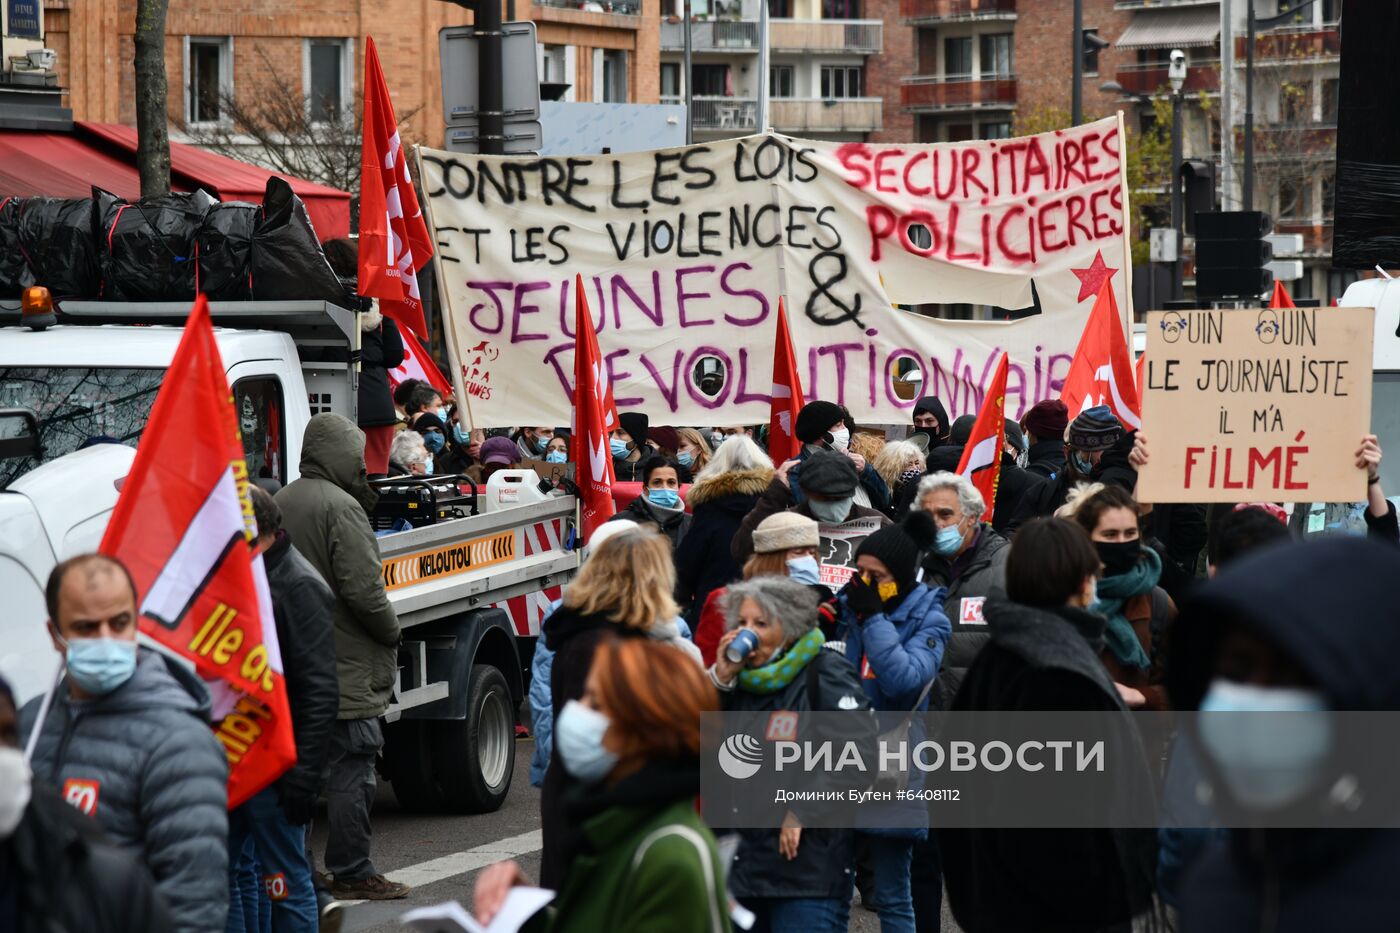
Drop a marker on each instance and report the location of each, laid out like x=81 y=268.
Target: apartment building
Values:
x=819 y=53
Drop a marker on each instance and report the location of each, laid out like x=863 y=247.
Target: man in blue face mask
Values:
x=127 y=740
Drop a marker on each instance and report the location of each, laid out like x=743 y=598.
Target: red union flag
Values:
x=1102 y=370
x=595 y=417
x=394 y=241
x=787 y=395
x=417 y=364
x=981 y=458
x=1280 y=298
x=182 y=526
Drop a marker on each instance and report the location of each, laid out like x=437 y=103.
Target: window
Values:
x=208 y=78
x=1000 y=130
x=996 y=55
x=843 y=81
x=957 y=58
x=328 y=79
x=780 y=9
x=1331 y=99
x=711 y=81
x=1295 y=103
x=1091 y=45
x=1331 y=11
x=558 y=66
x=258 y=403
x=1293 y=199
x=840 y=9
x=780 y=81
x=671 y=79
x=615 y=76
x=960 y=132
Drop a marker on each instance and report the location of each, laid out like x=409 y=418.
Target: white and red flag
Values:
x=1280 y=298
x=417 y=364
x=595 y=417
x=394 y=241
x=182 y=526
x=981 y=457
x=1102 y=370
x=787 y=395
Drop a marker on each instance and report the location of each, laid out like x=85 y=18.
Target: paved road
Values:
x=440 y=856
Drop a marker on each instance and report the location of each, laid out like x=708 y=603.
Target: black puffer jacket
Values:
x=1046 y=458
x=942 y=459
x=301 y=604
x=381 y=350
x=704 y=561
x=59 y=875
x=1013 y=486
x=978 y=574
x=674 y=523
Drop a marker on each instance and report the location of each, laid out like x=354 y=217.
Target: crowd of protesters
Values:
x=712 y=589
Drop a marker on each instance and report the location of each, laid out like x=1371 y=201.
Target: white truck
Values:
x=468 y=582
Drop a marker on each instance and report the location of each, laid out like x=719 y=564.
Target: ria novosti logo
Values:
x=740 y=756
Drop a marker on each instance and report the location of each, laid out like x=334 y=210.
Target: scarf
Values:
x=778 y=673
x=1122 y=641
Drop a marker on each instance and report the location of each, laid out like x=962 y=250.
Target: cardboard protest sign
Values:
x=1259 y=404
x=837 y=554
x=685 y=253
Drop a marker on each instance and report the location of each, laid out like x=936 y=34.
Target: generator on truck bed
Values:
x=468 y=579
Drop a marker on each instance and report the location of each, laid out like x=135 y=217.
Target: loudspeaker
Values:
x=1366 y=230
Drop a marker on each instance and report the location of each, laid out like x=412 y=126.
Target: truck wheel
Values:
x=409 y=768
x=474 y=758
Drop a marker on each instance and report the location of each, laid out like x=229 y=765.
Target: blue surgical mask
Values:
x=948 y=540
x=578 y=738
x=666 y=498
x=619 y=448
x=556 y=456
x=686 y=458
x=833 y=512
x=442 y=414
x=805 y=570
x=434 y=441
x=460 y=435
x=1266 y=761
x=1081 y=463
x=541 y=443
x=101 y=665
x=428 y=467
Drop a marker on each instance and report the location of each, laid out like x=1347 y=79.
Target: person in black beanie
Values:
x=826 y=426
x=629 y=446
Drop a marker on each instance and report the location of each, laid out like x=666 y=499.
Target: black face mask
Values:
x=1119 y=556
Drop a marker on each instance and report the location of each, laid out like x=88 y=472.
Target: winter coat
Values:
x=673 y=523
x=825 y=857
x=60 y=875
x=1044 y=499
x=630 y=471
x=381 y=350
x=157 y=775
x=1304 y=880
x=873 y=483
x=711 y=626
x=324 y=514
x=1046 y=458
x=302 y=605
x=704 y=562
x=641 y=859
x=1006 y=880
x=1150 y=615
x=980 y=573
x=1178 y=533
x=1386 y=527
x=942 y=459
x=897 y=654
x=1013 y=486
x=776 y=499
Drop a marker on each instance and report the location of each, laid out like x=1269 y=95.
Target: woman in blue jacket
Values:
x=895 y=632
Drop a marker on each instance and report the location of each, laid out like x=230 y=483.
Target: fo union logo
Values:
x=740 y=756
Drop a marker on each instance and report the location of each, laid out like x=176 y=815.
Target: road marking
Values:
x=460 y=863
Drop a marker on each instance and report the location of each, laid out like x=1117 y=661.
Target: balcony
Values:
x=1149 y=79
x=1292 y=45
x=932 y=93
x=847 y=36
x=1160 y=4
x=735 y=115
x=615 y=7
x=845 y=115
x=712 y=36
x=926 y=12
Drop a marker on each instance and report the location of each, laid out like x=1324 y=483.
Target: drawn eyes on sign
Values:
x=710 y=375
x=906 y=377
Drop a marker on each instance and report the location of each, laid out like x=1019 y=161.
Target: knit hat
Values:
x=961 y=430
x=828 y=473
x=665 y=438
x=635 y=424
x=898 y=547
x=499 y=450
x=1014 y=437
x=1095 y=429
x=783 y=531
x=427 y=421
x=815 y=419
x=1046 y=419
x=932 y=405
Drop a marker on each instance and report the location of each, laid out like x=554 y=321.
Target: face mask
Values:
x=833 y=512
x=686 y=458
x=578 y=738
x=460 y=436
x=541 y=443
x=1118 y=556
x=804 y=570
x=666 y=498
x=1093 y=591
x=434 y=441
x=840 y=439
x=428 y=467
x=948 y=540
x=101 y=665
x=556 y=456
x=14 y=790
x=1023 y=458
x=442 y=414
x=619 y=448
x=716 y=438
x=1081 y=463
x=887 y=591
x=1267 y=762
x=910 y=476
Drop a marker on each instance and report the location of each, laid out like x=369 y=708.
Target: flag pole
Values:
x=449 y=333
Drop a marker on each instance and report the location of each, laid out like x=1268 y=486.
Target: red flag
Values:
x=182 y=526
x=595 y=417
x=1138 y=369
x=1280 y=298
x=394 y=241
x=1102 y=370
x=981 y=457
x=417 y=364
x=787 y=395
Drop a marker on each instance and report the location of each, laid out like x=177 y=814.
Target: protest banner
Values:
x=1258 y=404
x=838 y=548
x=685 y=253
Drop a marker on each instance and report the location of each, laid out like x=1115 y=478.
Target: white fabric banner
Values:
x=685 y=252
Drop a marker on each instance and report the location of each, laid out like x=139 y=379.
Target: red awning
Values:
x=67 y=165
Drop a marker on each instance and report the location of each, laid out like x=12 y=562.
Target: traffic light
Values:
x=1231 y=253
x=1197 y=190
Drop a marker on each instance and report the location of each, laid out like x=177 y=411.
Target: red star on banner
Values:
x=1091 y=279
